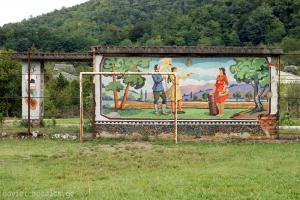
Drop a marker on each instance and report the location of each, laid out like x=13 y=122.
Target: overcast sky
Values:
x=17 y=10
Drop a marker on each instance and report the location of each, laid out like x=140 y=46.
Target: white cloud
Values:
x=16 y=10
x=189 y=81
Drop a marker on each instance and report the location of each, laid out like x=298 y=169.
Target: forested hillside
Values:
x=160 y=22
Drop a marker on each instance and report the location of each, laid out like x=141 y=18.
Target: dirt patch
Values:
x=248 y=114
x=123 y=146
x=140 y=145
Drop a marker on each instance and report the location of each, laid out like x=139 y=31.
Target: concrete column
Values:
x=269 y=123
x=97 y=82
x=274 y=81
x=36 y=91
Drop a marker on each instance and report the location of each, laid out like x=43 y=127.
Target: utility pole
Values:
x=28 y=89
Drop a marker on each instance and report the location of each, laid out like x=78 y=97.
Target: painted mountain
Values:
x=196 y=92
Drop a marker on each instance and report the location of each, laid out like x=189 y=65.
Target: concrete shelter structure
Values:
x=264 y=124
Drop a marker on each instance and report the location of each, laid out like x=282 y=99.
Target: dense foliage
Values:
x=10 y=86
x=160 y=22
x=290 y=100
x=62 y=95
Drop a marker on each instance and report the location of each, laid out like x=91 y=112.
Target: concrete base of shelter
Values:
x=241 y=131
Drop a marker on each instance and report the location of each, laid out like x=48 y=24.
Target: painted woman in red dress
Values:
x=221 y=91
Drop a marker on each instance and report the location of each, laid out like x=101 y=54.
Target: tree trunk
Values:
x=116 y=100
x=7 y=108
x=297 y=108
x=258 y=105
x=125 y=96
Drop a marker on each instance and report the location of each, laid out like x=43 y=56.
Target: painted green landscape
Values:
x=190 y=113
x=131 y=96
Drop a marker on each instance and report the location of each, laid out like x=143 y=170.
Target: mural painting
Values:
x=36 y=89
x=33 y=92
x=207 y=88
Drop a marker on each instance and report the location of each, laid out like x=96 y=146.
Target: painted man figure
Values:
x=158 y=91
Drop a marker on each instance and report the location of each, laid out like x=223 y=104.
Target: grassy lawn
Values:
x=191 y=113
x=111 y=169
x=67 y=125
x=65 y=121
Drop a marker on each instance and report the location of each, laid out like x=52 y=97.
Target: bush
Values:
x=24 y=123
x=286 y=119
x=145 y=137
x=1 y=119
x=88 y=125
x=53 y=121
x=42 y=123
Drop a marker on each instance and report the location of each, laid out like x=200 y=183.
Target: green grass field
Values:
x=68 y=125
x=191 y=113
x=115 y=169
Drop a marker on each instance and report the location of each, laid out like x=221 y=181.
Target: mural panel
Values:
x=207 y=88
x=36 y=91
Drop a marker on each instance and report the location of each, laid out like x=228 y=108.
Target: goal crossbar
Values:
x=127 y=73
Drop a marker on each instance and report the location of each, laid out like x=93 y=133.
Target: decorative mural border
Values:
x=179 y=122
x=273 y=61
x=106 y=56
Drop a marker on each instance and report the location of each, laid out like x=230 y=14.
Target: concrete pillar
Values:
x=36 y=91
x=269 y=123
x=97 y=82
x=274 y=81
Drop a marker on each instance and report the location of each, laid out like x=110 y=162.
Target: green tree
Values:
x=114 y=65
x=253 y=71
x=205 y=96
x=275 y=32
x=237 y=95
x=1 y=121
x=157 y=22
x=125 y=65
x=115 y=86
x=139 y=30
x=10 y=85
x=292 y=96
x=141 y=95
x=135 y=81
x=253 y=27
x=205 y=41
x=290 y=44
x=249 y=95
x=61 y=82
x=126 y=42
x=154 y=41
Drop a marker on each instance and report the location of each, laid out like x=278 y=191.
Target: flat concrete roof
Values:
x=157 y=51
x=83 y=57
x=185 y=50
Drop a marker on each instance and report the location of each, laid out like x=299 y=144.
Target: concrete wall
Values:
x=36 y=91
x=265 y=124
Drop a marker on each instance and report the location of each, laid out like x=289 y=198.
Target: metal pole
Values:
x=81 y=109
x=127 y=73
x=175 y=114
x=278 y=97
x=28 y=89
x=93 y=104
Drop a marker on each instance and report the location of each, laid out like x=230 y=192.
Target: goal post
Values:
x=127 y=73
